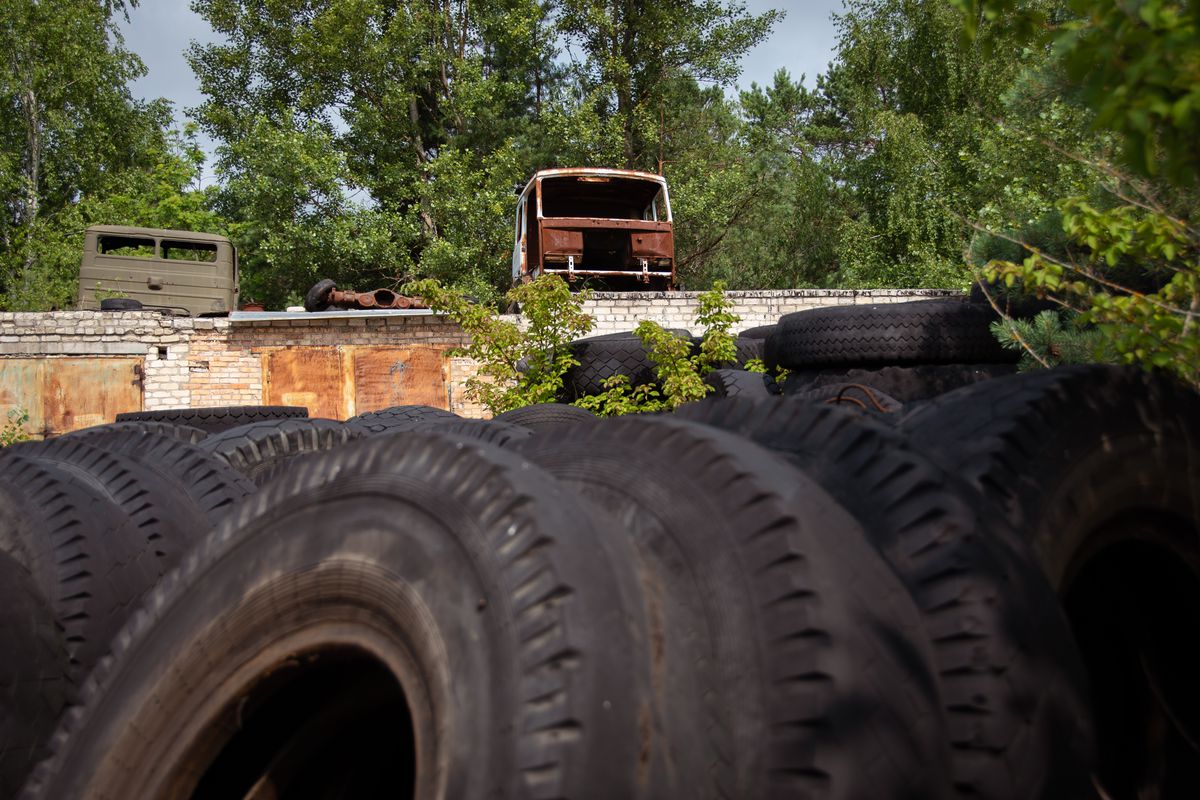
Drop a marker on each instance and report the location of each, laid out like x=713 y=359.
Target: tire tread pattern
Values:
x=1011 y=685
x=216 y=418
x=921 y=332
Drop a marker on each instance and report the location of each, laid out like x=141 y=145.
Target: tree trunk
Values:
x=626 y=57
x=32 y=175
x=428 y=226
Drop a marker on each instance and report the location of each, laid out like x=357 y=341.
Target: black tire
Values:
x=602 y=357
x=493 y=621
x=1012 y=304
x=215 y=419
x=760 y=332
x=213 y=486
x=261 y=450
x=498 y=432
x=399 y=418
x=120 y=304
x=317 y=298
x=921 y=332
x=1099 y=468
x=183 y=433
x=1012 y=685
x=745 y=349
x=739 y=383
x=542 y=416
x=857 y=397
x=905 y=384
x=166 y=519
x=33 y=666
x=768 y=602
x=1063 y=450
x=682 y=333
x=81 y=549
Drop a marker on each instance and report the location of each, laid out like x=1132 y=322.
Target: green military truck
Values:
x=190 y=273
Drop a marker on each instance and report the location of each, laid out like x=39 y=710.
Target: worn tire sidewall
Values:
x=431 y=598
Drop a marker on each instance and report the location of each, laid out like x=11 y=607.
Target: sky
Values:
x=160 y=30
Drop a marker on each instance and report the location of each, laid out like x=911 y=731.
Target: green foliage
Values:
x=473 y=200
x=1049 y=340
x=294 y=224
x=1130 y=263
x=377 y=143
x=714 y=313
x=75 y=148
x=771 y=215
x=380 y=141
x=680 y=370
x=14 y=428
x=1155 y=328
x=674 y=365
x=1135 y=65
x=516 y=367
x=620 y=398
x=520 y=366
x=636 y=52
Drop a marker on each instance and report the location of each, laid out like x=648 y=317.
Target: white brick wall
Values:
x=615 y=312
x=207 y=362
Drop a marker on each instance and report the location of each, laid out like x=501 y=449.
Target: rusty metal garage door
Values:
x=66 y=394
x=339 y=382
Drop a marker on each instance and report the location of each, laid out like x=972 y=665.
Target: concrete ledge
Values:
x=287 y=317
x=73 y=348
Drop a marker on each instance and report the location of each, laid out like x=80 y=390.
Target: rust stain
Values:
x=67 y=394
x=309 y=372
x=393 y=376
x=611 y=227
x=645 y=737
x=338 y=383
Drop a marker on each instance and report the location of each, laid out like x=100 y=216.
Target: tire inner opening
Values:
x=1134 y=608
x=331 y=724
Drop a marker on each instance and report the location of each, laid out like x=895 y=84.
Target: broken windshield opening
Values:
x=599 y=197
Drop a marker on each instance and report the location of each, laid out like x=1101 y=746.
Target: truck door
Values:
x=518 y=259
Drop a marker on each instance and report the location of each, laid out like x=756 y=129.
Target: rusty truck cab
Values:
x=607 y=228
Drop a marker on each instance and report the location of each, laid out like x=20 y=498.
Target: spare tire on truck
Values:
x=438 y=619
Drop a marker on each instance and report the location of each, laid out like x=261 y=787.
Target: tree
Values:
x=770 y=211
x=419 y=110
x=913 y=104
x=634 y=51
x=71 y=131
x=1134 y=267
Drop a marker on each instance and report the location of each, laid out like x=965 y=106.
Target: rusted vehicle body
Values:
x=607 y=228
x=325 y=295
x=192 y=273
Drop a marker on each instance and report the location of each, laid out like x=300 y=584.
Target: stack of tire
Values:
x=602 y=357
x=749 y=598
x=876 y=358
x=907 y=352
